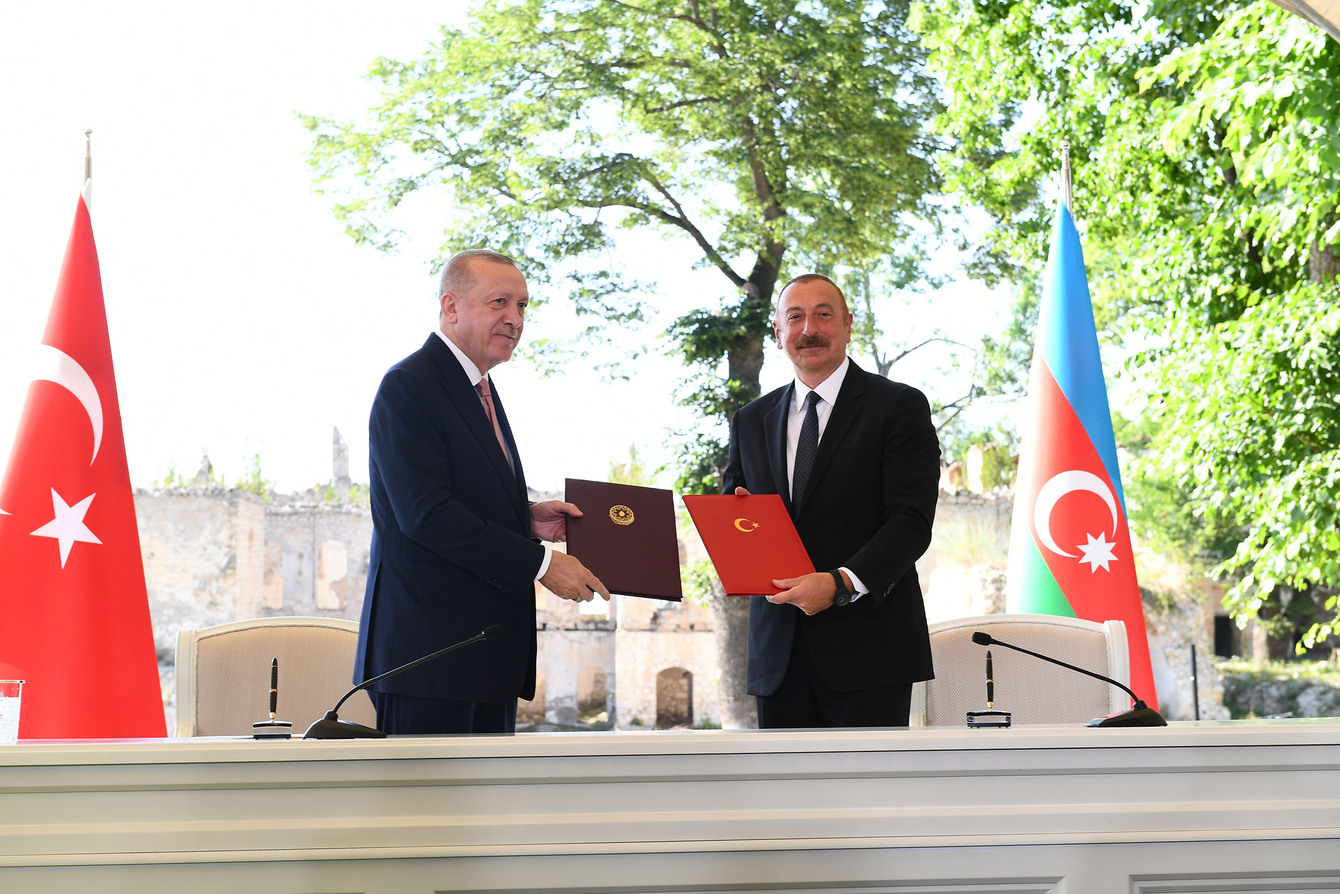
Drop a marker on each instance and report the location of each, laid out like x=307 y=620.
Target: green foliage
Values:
x=358 y=494
x=1159 y=505
x=969 y=540
x=252 y=481
x=634 y=471
x=206 y=477
x=955 y=441
x=700 y=581
x=772 y=136
x=1208 y=181
x=1274 y=688
x=172 y=479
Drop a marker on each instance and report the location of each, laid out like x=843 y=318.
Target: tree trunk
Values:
x=730 y=614
x=730 y=623
x=1324 y=263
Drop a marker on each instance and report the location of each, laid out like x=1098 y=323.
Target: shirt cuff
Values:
x=858 y=589
x=544 y=563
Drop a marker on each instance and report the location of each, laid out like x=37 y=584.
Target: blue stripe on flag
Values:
x=1068 y=341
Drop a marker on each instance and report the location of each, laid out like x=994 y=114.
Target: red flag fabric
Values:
x=74 y=611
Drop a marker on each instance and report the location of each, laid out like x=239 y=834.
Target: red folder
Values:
x=750 y=540
x=627 y=536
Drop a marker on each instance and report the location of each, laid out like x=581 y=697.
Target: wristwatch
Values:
x=842 y=596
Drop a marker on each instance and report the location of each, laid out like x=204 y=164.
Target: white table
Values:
x=1207 y=807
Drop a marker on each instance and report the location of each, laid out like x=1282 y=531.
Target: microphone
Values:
x=1140 y=714
x=332 y=727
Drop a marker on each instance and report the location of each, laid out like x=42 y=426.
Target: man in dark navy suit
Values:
x=453 y=542
x=856 y=459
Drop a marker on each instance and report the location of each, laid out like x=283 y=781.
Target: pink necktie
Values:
x=486 y=398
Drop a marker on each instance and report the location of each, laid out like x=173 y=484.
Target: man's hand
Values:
x=569 y=578
x=549 y=520
x=811 y=593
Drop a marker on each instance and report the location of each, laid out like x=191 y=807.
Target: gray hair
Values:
x=458 y=274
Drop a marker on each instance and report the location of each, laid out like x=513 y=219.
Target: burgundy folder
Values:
x=750 y=540
x=627 y=536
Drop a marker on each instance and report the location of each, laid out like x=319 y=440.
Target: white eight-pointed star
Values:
x=1098 y=551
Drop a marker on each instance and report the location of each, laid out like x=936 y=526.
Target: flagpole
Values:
x=1066 y=195
x=88 y=169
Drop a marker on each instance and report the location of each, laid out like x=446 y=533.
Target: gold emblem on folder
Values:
x=746 y=525
x=621 y=515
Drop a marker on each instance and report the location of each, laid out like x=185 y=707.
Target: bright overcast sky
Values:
x=243 y=321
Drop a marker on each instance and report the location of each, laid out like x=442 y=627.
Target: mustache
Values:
x=812 y=341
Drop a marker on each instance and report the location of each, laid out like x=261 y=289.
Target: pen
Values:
x=990 y=683
x=274 y=685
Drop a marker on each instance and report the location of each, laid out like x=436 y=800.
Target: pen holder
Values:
x=272 y=729
x=988 y=718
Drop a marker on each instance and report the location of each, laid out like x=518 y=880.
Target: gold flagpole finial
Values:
x=1066 y=195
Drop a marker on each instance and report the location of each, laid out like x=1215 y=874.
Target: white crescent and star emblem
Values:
x=1098 y=551
x=67 y=525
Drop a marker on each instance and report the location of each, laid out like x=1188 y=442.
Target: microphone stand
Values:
x=332 y=727
x=1140 y=713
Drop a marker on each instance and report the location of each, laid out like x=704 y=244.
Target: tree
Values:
x=773 y=135
x=1208 y=176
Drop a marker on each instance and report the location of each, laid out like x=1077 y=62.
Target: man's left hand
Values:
x=549 y=520
x=811 y=593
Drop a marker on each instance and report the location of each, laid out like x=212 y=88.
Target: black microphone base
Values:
x=1140 y=715
x=327 y=728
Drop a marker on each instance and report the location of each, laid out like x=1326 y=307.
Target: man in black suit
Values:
x=840 y=647
x=452 y=548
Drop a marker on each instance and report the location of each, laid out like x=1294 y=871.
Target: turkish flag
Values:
x=74 y=611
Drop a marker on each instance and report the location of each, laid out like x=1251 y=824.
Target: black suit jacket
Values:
x=868 y=506
x=451 y=545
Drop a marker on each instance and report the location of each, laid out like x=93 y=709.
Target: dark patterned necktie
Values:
x=807 y=448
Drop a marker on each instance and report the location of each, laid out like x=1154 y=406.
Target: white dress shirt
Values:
x=474 y=375
x=828 y=392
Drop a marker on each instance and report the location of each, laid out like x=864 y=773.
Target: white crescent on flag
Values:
x=1056 y=488
x=54 y=365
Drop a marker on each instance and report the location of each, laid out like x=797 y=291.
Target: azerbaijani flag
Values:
x=1070 y=547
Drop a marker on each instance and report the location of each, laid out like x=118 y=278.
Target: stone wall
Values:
x=204 y=558
x=576 y=642
x=213 y=555
x=656 y=637
x=316 y=557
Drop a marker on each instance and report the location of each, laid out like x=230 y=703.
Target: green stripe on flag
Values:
x=1039 y=593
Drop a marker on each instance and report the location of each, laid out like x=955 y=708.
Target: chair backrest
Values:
x=223 y=674
x=1032 y=690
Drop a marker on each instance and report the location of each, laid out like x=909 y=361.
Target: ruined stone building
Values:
x=214 y=554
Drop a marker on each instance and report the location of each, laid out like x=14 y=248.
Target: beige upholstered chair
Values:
x=1032 y=690
x=223 y=674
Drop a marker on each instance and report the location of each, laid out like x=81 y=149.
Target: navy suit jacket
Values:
x=452 y=551
x=868 y=506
